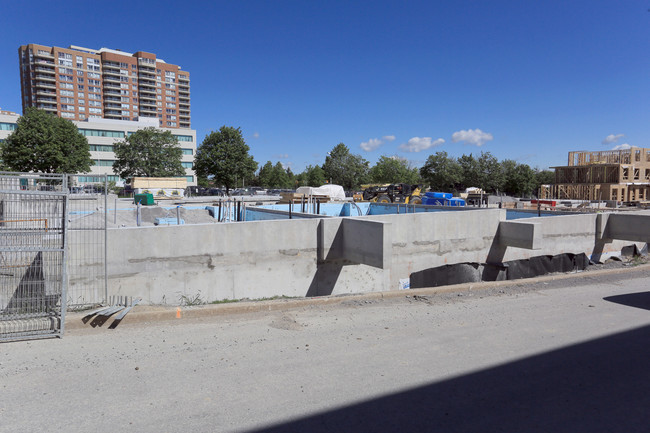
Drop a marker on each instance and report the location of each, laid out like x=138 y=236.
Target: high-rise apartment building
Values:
x=84 y=84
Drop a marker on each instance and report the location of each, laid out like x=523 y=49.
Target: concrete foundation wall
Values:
x=312 y=257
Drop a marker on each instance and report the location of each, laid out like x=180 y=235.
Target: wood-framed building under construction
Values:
x=618 y=175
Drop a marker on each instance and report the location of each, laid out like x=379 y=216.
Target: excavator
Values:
x=393 y=193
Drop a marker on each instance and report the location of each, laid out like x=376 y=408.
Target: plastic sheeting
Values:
x=513 y=270
x=334 y=192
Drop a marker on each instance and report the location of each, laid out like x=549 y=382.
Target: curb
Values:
x=146 y=314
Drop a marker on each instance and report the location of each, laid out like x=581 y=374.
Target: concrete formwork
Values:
x=324 y=256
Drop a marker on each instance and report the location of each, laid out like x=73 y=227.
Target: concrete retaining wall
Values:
x=312 y=257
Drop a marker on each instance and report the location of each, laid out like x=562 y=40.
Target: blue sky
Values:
x=523 y=80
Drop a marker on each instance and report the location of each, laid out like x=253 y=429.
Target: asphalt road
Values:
x=568 y=356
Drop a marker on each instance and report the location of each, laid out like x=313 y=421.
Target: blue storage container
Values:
x=455 y=201
x=441 y=195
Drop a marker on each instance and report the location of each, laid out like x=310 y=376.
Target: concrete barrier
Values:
x=325 y=256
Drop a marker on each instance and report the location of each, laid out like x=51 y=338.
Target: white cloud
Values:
x=418 y=144
x=611 y=138
x=286 y=165
x=281 y=156
x=621 y=146
x=374 y=143
x=475 y=137
x=256 y=135
x=371 y=144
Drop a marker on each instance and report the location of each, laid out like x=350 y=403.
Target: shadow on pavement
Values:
x=602 y=385
x=638 y=300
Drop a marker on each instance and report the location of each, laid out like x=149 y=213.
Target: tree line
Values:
x=45 y=143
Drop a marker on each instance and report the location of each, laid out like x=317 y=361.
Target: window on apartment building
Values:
x=614 y=193
x=65 y=56
x=66 y=71
x=93 y=96
x=66 y=93
x=636 y=174
x=188 y=152
x=126 y=114
x=65 y=78
x=94 y=103
x=171 y=105
x=100 y=148
x=647 y=174
x=80 y=73
x=94 y=82
x=626 y=173
x=8 y=126
x=65 y=62
x=124 y=99
x=184 y=138
x=67 y=115
x=171 y=123
x=126 y=106
x=82 y=108
x=81 y=80
x=67 y=107
x=637 y=155
x=186 y=164
x=171 y=98
x=67 y=100
x=82 y=102
x=80 y=87
x=101 y=133
x=94 y=89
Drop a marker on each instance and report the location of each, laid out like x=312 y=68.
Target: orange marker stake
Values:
x=178 y=312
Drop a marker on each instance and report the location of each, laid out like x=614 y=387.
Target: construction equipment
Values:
x=393 y=193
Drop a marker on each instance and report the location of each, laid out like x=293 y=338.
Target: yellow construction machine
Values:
x=393 y=193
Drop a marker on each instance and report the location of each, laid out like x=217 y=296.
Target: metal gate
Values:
x=87 y=236
x=33 y=241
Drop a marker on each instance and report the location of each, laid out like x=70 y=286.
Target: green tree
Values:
x=490 y=174
x=441 y=172
x=469 y=167
x=519 y=179
x=311 y=176
x=274 y=176
x=224 y=155
x=280 y=178
x=393 y=170
x=544 y=177
x=148 y=152
x=344 y=168
x=265 y=174
x=45 y=143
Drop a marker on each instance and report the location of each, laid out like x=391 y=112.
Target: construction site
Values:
x=619 y=176
x=61 y=250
